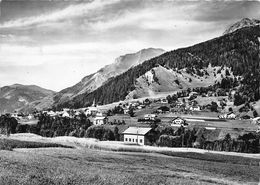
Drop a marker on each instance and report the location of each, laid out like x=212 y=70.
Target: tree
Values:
x=116 y=134
x=131 y=112
x=214 y=107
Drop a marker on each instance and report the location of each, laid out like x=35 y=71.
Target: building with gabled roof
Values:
x=136 y=135
x=178 y=121
x=100 y=120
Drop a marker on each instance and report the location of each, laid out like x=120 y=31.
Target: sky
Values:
x=55 y=43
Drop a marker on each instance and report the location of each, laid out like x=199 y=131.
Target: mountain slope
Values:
x=238 y=51
x=162 y=80
x=17 y=96
x=245 y=22
x=93 y=81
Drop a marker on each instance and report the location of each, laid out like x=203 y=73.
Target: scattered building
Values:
x=256 y=121
x=150 y=116
x=136 y=135
x=65 y=114
x=195 y=108
x=178 y=121
x=164 y=100
x=100 y=120
x=230 y=115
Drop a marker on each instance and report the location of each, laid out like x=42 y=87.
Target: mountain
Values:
x=93 y=81
x=245 y=22
x=236 y=53
x=16 y=96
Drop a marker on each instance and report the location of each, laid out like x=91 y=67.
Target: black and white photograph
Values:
x=129 y=92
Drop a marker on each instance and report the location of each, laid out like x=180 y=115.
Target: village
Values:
x=135 y=118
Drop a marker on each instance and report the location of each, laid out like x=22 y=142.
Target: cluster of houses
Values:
x=230 y=115
x=95 y=115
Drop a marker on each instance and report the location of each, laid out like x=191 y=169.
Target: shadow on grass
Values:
x=10 y=144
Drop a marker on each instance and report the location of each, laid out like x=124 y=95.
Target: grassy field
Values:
x=93 y=162
x=86 y=166
x=10 y=144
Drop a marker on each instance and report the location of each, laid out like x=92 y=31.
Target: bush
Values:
x=169 y=141
x=101 y=133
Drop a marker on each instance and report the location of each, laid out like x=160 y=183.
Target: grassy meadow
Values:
x=67 y=166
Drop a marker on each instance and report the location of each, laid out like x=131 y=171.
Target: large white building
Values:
x=136 y=135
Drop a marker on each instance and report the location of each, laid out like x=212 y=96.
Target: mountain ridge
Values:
x=95 y=80
x=245 y=22
x=16 y=96
x=238 y=50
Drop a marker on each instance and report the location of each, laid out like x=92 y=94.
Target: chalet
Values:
x=51 y=113
x=230 y=115
x=15 y=115
x=126 y=111
x=147 y=101
x=194 y=93
x=90 y=111
x=100 y=120
x=195 y=108
x=136 y=135
x=256 y=121
x=164 y=100
x=150 y=116
x=178 y=121
x=65 y=114
x=30 y=116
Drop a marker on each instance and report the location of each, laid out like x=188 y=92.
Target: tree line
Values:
x=158 y=136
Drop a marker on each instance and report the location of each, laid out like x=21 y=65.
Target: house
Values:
x=256 y=121
x=91 y=111
x=51 y=113
x=126 y=111
x=150 y=116
x=195 y=108
x=136 y=135
x=178 y=121
x=100 y=120
x=30 y=116
x=164 y=100
x=15 y=115
x=230 y=115
x=65 y=114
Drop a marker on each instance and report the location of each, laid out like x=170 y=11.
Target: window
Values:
x=135 y=140
x=125 y=139
x=130 y=139
x=141 y=140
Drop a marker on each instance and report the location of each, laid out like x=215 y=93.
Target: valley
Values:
x=189 y=115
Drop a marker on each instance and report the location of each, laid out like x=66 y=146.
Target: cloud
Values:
x=81 y=38
x=69 y=12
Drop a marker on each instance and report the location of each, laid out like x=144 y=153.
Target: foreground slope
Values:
x=16 y=96
x=238 y=51
x=87 y=166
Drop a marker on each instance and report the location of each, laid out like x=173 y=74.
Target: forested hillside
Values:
x=238 y=50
